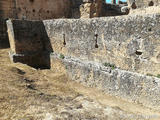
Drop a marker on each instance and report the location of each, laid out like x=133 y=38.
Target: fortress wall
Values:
x=130 y=42
x=35 y=9
x=127 y=85
x=81 y=47
x=43 y=9
x=32 y=10
x=7 y=9
x=29 y=43
x=141 y=4
x=49 y=9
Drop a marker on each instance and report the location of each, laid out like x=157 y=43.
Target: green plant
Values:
x=66 y=67
x=149 y=74
x=61 y=56
x=106 y=64
x=158 y=76
x=113 y=66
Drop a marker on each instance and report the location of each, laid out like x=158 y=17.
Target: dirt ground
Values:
x=30 y=94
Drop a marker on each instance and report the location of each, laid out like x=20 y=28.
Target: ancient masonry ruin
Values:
x=115 y=54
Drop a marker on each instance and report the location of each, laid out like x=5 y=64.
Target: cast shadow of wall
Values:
x=44 y=59
x=32 y=44
x=4 y=41
x=75 y=10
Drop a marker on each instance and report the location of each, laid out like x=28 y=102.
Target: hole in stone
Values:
x=47 y=11
x=96 y=45
x=64 y=40
x=96 y=37
x=158 y=57
x=6 y=19
x=19 y=9
x=35 y=35
x=151 y=3
x=34 y=10
x=150 y=29
x=39 y=41
x=31 y=0
x=133 y=6
x=138 y=52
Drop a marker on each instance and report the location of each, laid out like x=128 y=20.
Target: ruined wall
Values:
x=141 y=4
x=43 y=9
x=34 y=49
x=31 y=10
x=49 y=9
x=90 y=8
x=87 y=48
x=87 y=8
x=127 y=85
x=99 y=8
x=130 y=42
x=7 y=9
x=35 y=9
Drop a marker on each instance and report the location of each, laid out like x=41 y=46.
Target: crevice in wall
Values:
x=4 y=41
x=96 y=37
x=138 y=52
x=31 y=1
x=149 y=29
x=151 y=3
x=133 y=6
x=64 y=40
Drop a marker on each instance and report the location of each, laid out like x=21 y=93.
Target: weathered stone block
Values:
x=138 y=4
x=127 y=85
x=29 y=43
x=130 y=42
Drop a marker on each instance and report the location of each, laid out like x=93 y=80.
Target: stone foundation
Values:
x=115 y=55
x=127 y=85
x=130 y=42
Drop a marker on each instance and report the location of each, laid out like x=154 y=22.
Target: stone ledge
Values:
x=127 y=85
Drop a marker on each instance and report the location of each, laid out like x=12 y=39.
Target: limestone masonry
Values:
x=112 y=47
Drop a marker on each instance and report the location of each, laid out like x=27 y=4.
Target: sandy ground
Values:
x=30 y=94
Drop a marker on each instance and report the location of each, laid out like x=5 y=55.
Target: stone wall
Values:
x=139 y=4
x=7 y=9
x=43 y=9
x=4 y=42
x=100 y=8
x=106 y=53
x=130 y=42
x=29 y=43
x=90 y=8
x=49 y=9
x=127 y=85
x=35 y=9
